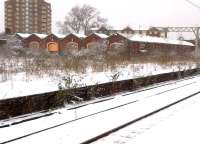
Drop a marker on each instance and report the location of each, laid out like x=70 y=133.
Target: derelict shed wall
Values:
x=116 y=39
x=71 y=38
x=92 y=39
x=51 y=39
x=30 y=39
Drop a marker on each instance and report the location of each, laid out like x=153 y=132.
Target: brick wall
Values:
x=23 y=105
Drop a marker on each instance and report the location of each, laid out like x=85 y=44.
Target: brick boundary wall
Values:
x=52 y=100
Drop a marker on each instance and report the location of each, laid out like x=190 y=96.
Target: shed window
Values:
x=34 y=44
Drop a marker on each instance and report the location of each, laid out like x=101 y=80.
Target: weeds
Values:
x=66 y=88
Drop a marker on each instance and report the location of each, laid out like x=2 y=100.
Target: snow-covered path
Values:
x=132 y=107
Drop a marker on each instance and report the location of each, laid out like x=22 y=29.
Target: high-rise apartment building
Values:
x=27 y=16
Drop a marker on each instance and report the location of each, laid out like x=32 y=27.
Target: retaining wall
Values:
x=28 y=104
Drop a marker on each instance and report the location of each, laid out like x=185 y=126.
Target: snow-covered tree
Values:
x=81 y=19
x=15 y=45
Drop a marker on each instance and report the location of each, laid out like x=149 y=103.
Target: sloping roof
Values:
x=103 y=36
x=150 y=39
x=132 y=27
x=94 y=29
x=128 y=28
x=179 y=42
x=23 y=35
x=26 y=35
x=120 y=34
x=79 y=35
x=42 y=36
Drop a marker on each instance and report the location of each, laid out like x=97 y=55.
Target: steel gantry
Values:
x=194 y=30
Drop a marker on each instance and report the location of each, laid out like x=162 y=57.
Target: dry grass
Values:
x=52 y=65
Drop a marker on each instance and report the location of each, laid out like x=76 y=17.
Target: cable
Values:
x=192 y=3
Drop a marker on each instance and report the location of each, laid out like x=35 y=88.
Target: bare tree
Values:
x=81 y=19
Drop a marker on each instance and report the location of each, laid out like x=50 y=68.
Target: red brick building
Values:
x=94 y=40
x=153 y=32
x=103 y=30
x=72 y=43
x=118 y=43
x=52 y=43
x=127 y=30
x=147 y=31
x=117 y=39
x=33 y=41
x=135 y=47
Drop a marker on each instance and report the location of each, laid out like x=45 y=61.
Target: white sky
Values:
x=121 y=13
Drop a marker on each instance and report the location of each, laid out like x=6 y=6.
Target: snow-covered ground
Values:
x=178 y=124
x=81 y=129
x=180 y=128
x=23 y=84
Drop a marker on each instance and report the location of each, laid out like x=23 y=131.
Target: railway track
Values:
x=12 y=107
x=105 y=134
x=37 y=115
x=116 y=107
x=151 y=129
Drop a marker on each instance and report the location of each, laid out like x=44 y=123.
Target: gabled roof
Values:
x=23 y=35
x=120 y=34
x=103 y=36
x=26 y=35
x=102 y=29
x=58 y=36
x=127 y=29
x=79 y=35
x=133 y=28
x=94 y=28
x=41 y=36
x=154 y=29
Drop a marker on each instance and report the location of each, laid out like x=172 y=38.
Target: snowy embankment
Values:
x=23 y=84
x=74 y=132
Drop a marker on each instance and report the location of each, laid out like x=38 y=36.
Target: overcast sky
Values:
x=129 y=12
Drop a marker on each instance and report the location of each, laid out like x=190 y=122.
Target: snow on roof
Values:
x=59 y=35
x=79 y=35
x=179 y=42
x=103 y=36
x=138 y=38
x=94 y=29
x=23 y=35
x=121 y=34
x=187 y=43
x=26 y=35
x=150 y=39
x=133 y=27
x=40 y=35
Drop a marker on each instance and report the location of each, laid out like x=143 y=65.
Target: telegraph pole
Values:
x=196 y=30
x=197 y=51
